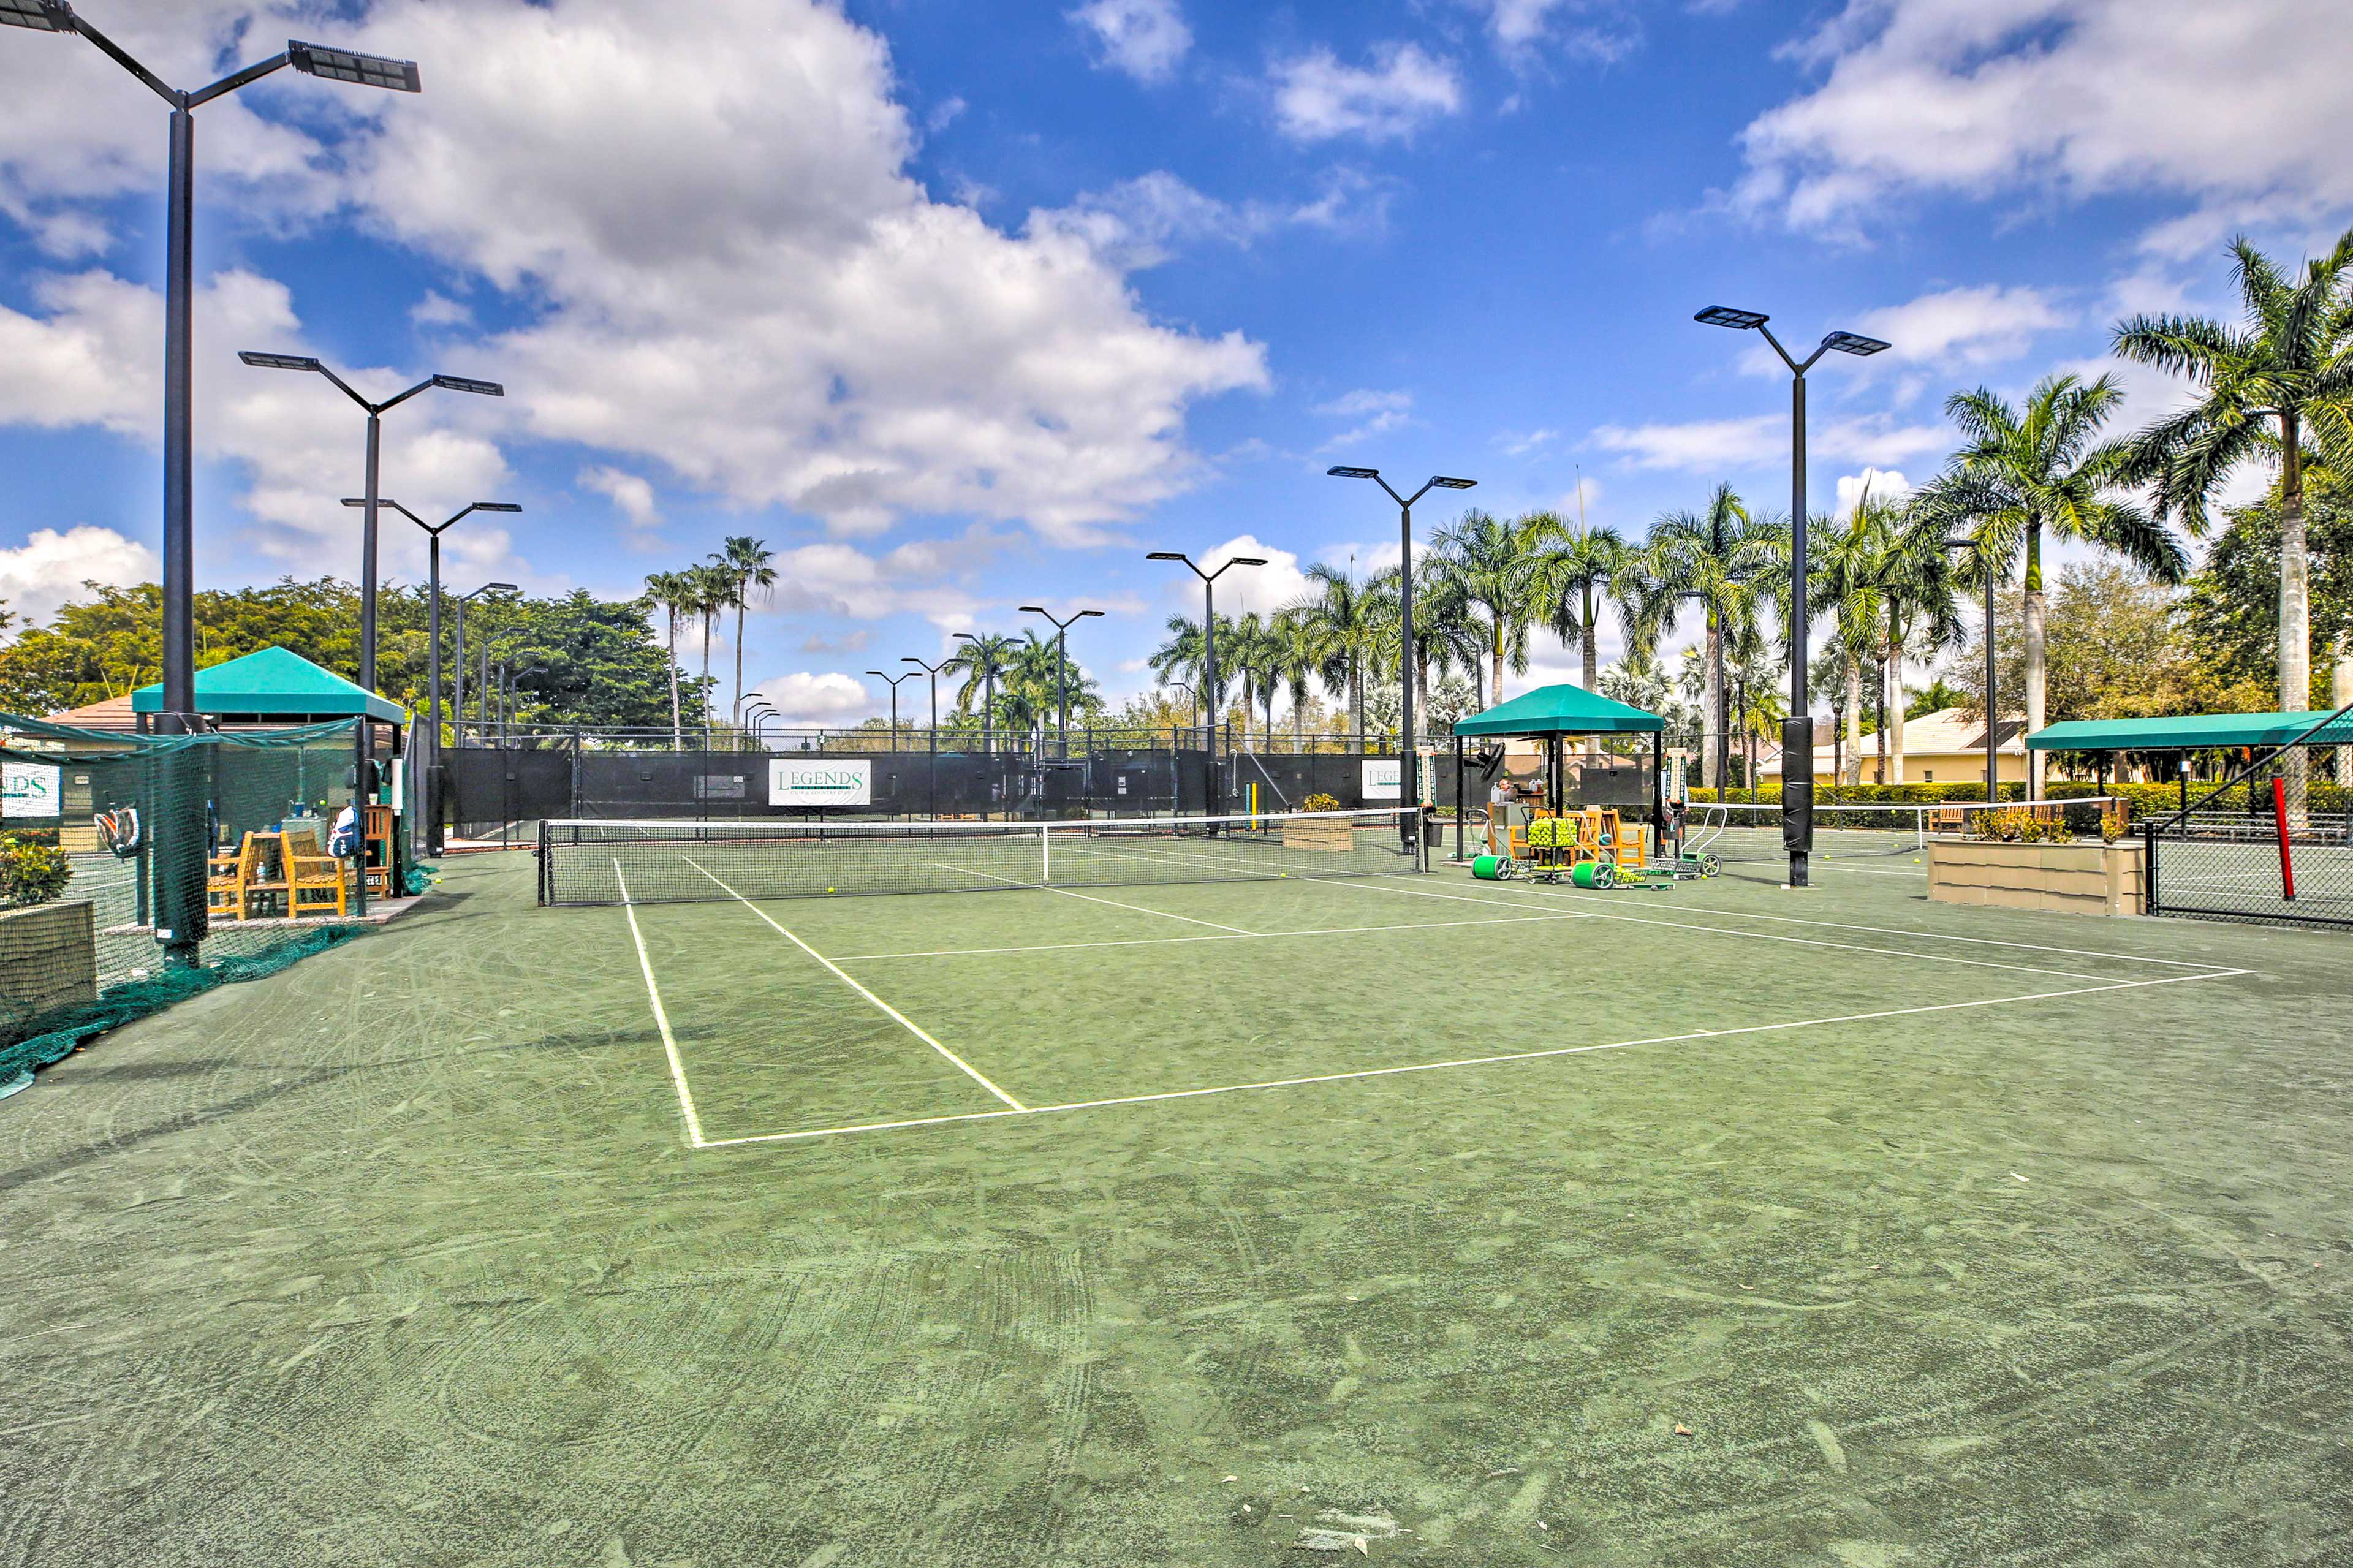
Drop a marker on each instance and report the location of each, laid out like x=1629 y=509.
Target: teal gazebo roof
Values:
x=2189 y=732
x=274 y=684
x=1561 y=709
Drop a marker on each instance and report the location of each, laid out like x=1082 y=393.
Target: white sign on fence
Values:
x=30 y=789
x=820 y=780
x=1384 y=778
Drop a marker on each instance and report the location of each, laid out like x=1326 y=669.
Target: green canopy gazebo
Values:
x=275 y=685
x=1553 y=714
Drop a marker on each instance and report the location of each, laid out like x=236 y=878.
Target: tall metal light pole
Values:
x=1409 y=759
x=752 y=711
x=1797 y=729
x=373 y=499
x=370 y=501
x=1061 y=664
x=894 y=682
x=932 y=765
x=179 y=904
x=1208 y=654
x=426 y=837
x=458 y=685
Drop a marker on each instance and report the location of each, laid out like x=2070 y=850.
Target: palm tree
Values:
x=745 y=561
x=1342 y=620
x=1576 y=571
x=2286 y=374
x=1717 y=557
x=1252 y=653
x=1448 y=632
x=673 y=594
x=2043 y=471
x=985 y=659
x=713 y=590
x=1845 y=555
x=1492 y=565
x=1919 y=612
x=1296 y=665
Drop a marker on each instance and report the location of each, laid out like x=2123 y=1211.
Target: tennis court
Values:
x=827 y=1018
x=1482 y=1223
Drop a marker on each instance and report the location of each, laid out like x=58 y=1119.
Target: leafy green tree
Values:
x=2273 y=390
x=2231 y=610
x=2043 y=471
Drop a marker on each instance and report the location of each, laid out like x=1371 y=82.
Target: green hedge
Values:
x=2147 y=800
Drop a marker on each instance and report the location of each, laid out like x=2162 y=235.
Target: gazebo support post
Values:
x=1459 y=803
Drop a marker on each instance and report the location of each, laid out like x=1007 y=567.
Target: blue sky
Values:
x=963 y=307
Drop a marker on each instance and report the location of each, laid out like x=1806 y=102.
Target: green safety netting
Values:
x=127 y=813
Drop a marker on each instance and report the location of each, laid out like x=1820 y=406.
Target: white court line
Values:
x=1115 y=903
x=1378 y=885
x=904 y=1022
x=661 y=1017
x=1166 y=941
x=1459 y=1063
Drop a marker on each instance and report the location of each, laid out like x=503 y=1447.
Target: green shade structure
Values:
x=276 y=685
x=1561 y=711
x=2190 y=732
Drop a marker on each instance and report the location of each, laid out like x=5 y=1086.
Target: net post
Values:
x=1045 y=855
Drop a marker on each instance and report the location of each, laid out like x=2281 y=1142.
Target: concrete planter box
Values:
x=1329 y=836
x=48 y=958
x=2090 y=879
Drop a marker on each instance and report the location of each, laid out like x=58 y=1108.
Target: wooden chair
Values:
x=316 y=882
x=225 y=879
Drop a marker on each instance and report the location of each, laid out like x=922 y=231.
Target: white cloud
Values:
x=50 y=567
x=1264 y=589
x=743 y=282
x=1518 y=26
x=1712 y=446
x=437 y=309
x=630 y=492
x=1985 y=325
x=1879 y=484
x=1519 y=444
x=1145 y=38
x=1377 y=414
x=944 y=115
x=2231 y=106
x=88 y=356
x=818 y=700
x=1143 y=222
x=1317 y=99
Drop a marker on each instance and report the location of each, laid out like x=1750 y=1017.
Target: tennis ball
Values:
x=828 y=889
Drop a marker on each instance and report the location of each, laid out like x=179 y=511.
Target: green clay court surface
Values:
x=1488 y=1223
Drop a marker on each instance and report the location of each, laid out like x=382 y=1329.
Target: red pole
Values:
x=2279 y=815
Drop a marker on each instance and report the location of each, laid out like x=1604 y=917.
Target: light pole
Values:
x=430 y=837
x=1208 y=655
x=1410 y=757
x=179 y=907
x=931 y=795
x=457 y=686
x=370 y=500
x=753 y=711
x=1061 y=664
x=1797 y=729
x=893 y=682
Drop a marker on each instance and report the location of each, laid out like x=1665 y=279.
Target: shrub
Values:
x=31 y=873
x=1320 y=802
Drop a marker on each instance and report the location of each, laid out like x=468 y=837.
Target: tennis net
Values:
x=677 y=861
x=1737 y=833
